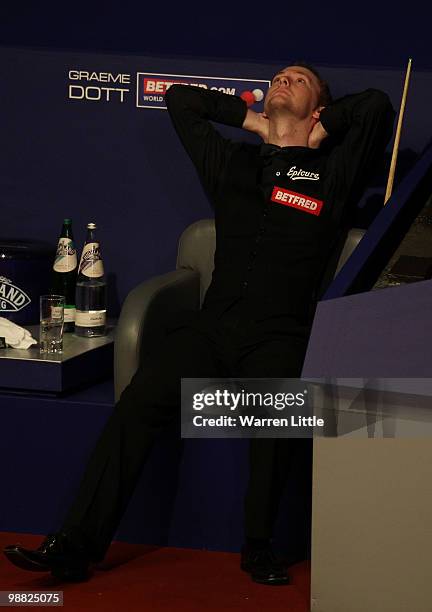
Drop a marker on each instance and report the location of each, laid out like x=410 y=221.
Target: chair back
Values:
x=196 y=251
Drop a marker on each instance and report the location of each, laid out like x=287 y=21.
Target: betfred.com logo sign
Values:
x=151 y=88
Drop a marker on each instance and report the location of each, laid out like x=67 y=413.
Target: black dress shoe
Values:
x=56 y=554
x=263 y=566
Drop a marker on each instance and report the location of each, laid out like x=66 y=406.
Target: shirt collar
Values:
x=270 y=150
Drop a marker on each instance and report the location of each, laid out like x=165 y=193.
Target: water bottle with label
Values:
x=91 y=287
x=64 y=273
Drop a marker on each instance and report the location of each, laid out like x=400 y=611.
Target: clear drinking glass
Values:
x=51 y=323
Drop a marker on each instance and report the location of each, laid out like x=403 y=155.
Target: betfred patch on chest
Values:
x=296 y=200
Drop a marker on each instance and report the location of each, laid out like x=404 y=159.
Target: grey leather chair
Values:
x=147 y=306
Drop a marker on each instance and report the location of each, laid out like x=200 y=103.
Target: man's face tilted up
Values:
x=294 y=91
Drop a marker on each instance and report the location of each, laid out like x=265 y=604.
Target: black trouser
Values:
x=204 y=347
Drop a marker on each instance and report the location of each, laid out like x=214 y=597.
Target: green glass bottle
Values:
x=64 y=273
x=91 y=289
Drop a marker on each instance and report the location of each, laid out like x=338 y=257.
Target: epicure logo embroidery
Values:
x=296 y=175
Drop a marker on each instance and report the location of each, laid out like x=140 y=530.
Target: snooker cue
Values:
x=397 y=136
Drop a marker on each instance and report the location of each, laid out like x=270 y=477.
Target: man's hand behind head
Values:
x=317 y=135
x=257 y=123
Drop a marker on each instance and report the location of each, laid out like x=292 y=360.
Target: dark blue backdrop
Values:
x=122 y=166
x=368 y=33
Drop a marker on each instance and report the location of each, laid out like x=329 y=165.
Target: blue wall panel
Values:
x=122 y=166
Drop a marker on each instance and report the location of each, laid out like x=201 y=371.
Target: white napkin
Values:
x=14 y=335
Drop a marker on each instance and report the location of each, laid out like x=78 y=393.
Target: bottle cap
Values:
x=91 y=225
x=67 y=221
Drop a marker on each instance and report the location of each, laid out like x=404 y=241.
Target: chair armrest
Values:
x=143 y=317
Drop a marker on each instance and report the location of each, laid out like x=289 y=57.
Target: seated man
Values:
x=280 y=208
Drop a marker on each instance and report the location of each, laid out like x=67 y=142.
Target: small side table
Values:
x=83 y=361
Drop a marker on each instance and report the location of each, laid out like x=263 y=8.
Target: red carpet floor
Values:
x=138 y=577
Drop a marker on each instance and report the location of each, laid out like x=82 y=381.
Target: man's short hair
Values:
x=325 y=96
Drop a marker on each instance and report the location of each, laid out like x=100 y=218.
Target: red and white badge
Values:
x=296 y=200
